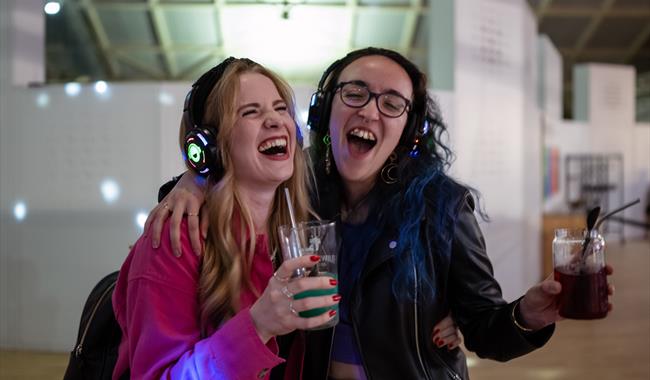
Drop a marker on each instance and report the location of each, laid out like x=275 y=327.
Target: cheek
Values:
x=242 y=149
x=394 y=133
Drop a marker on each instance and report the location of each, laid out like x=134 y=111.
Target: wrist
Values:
x=519 y=320
x=261 y=332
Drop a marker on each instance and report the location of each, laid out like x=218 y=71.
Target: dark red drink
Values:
x=584 y=296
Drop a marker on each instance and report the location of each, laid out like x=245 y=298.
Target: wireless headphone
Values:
x=320 y=105
x=200 y=149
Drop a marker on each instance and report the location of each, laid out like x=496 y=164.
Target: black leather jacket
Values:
x=395 y=338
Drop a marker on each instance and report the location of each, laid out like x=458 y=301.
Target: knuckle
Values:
x=299 y=286
x=308 y=303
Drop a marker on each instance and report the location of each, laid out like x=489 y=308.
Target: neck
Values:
x=355 y=193
x=259 y=201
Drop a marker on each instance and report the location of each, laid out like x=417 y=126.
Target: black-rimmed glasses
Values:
x=357 y=95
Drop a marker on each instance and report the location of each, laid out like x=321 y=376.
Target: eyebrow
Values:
x=390 y=91
x=257 y=105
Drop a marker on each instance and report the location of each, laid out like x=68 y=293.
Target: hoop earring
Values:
x=389 y=171
x=328 y=161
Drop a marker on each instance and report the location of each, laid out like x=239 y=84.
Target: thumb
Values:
x=551 y=287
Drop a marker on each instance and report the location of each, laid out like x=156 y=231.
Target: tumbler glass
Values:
x=313 y=238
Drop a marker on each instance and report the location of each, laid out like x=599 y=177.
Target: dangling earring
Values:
x=328 y=162
x=389 y=171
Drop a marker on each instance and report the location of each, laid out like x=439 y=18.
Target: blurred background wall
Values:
x=91 y=97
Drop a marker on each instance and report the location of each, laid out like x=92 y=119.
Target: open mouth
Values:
x=276 y=146
x=361 y=140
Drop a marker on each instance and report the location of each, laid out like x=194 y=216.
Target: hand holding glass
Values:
x=313 y=238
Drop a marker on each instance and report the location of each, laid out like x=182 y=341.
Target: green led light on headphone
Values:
x=194 y=153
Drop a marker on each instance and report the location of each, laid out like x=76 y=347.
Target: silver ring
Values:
x=281 y=279
x=286 y=292
x=192 y=214
x=166 y=206
x=291 y=309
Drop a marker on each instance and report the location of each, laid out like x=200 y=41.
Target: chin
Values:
x=282 y=176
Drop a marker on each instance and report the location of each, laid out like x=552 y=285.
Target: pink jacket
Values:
x=156 y=306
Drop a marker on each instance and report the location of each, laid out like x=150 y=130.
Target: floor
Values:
x=617 y=347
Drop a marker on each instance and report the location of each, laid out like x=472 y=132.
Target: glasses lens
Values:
x=354 y=95
x=391 y=105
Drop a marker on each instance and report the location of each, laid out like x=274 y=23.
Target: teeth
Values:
x=268 y=144
x=366 y=135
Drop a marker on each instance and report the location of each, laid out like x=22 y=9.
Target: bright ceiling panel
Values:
x=384 y=2
x=188 y=63
x=379 y=27
x=127 y=26
x=192 y=26
x=299 y=46
x=144 y=62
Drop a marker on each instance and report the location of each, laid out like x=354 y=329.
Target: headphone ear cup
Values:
x=411 y=131
x=314 y=110
x=319 y=109
x=201 y=153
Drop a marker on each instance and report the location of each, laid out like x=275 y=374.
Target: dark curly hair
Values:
x=423 y=159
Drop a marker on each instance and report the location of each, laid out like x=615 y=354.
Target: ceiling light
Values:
x=72 y=88
x=52 y=7
x=110 y=190
x=100 y=87
x=20 y=210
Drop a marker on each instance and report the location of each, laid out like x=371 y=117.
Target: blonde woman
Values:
x=216 y=316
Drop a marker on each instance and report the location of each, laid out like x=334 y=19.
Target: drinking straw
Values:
x=294 y=249
x=290 y=206
x=599 y=222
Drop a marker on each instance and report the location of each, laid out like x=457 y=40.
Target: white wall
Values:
x=496 y=131
x=54 y=159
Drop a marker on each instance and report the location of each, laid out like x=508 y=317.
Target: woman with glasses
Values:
x=412 y=249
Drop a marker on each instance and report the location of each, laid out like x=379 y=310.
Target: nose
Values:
x=371 y=110
x=272 y=121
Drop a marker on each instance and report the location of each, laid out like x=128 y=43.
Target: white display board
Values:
x=496 y=128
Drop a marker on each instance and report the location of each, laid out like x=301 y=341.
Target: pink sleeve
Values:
x=162 y=321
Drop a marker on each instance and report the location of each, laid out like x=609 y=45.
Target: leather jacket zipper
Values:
x=451 y=372
x=415 y=324
x=79 y=348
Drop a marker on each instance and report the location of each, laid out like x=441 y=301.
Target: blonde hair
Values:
x=226 y=262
